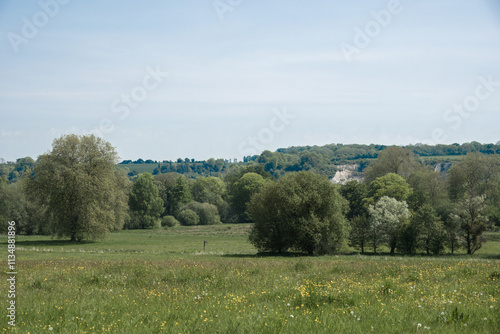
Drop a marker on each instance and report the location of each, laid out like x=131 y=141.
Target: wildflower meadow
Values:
x=163 y=282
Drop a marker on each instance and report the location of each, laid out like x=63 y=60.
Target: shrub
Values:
x=169 y=221
x=188 y=217
x=207 y=213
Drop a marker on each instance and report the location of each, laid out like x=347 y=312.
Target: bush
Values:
x=188 y=217
x=207 y=213
x=138 y=221
x=169 y=221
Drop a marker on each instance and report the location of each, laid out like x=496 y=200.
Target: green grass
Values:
x=163 y=282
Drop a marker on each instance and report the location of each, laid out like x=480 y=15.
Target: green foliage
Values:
x=360 y=232
x=477 y=175
x=174 y=191
x=188 y=218
x=22 y=166
x=209 y=190
x=119 y=199
x=213 y=190
x=77 y=184
x=13 y=207
x=241 y=192
x=145 y=203
x=389 y=185
x=452 y=231
x=395 y=160
x=473 y=176
x=469 y=215
x=429 y=229
x=302 y=212
x=429 y=187
x=169 y=221
x=207 y=213
x=407 y=239
x=355 y=193
x=386 y=219
x=179 y=195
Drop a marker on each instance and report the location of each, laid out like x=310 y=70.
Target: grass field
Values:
x=163 y=282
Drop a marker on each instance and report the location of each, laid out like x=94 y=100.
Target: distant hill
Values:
x=327 y=159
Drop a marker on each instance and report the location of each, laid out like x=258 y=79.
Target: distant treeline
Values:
x=320 y=159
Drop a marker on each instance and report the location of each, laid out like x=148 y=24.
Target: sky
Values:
x=225 y=79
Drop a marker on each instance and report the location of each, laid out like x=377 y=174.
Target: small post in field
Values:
x=204 y=246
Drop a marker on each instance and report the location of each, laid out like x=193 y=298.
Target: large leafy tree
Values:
x=178 y=195
x=213 y=190
x=355 y=193
x=242 y=191
x=387 y=218
x=77 y=183
x=469 y=216
x=390 y=185
x=12 y=206
x=209 y=190
x=477 y=175
x=429 y=229
x=303 y=212
x=174 y=191
x=429 y=187
x=145 y=203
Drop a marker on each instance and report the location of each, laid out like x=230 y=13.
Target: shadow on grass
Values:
x=269 y=254
x=374 y=255
x=50 y=243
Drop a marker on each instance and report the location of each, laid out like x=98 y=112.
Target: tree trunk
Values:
x=469 y=250
x=393 y=244
x=362 y=247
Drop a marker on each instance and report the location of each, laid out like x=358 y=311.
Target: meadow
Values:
x=161 y=281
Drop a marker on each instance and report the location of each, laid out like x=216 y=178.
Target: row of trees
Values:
x=320 y=159
x=171 y=198
x=324 y=159
x=409 y=207
x=76 y=191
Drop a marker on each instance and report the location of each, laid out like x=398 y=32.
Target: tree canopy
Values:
x=77 y=182
x=302 y=212
x=145 y=203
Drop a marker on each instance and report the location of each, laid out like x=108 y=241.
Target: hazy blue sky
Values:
x=247 y=75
